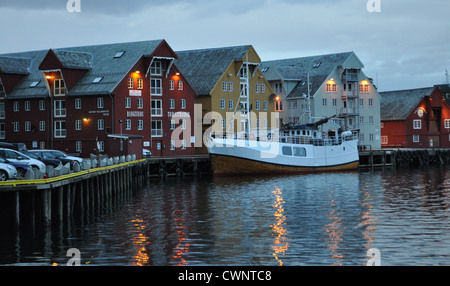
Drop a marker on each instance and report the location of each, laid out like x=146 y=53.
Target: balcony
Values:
x=349 y=111
x=349 y=94
x=349 y=76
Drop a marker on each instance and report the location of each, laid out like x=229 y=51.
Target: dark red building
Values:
x=95 y=99
x=416 y=118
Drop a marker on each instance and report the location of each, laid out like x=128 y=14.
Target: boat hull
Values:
x=224 y=165
x=245 y=157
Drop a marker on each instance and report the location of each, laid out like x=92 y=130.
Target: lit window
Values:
x=180 y=85
x=364 y=87
x=171 y=84
x=230 y=86
x=384 y=140
x=140 y=83
x=130 y=83
x=59 y=87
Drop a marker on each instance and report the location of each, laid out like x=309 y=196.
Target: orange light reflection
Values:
x=280 y=241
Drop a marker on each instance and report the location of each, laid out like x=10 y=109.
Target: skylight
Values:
x=119 y=54
x=97 y=79
x=34 y=83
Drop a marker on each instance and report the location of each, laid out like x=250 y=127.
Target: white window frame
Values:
x=100 y=102
x=416 y=138
x=222 y=103
x=447 y=123
x=140 y=83
x=77 y=103
x=100 y=124
x=59 y=108
x=417 y=124
x=27 y=106
x=156 y=108
x=127 y=102
x=171 y=84
x=140 y=103
x=127 y=124
x=156 y=87
x=60 y=129
x=156 y=68
x=78 y=124
x=27 y=126
x=171 y=103
x=183 y=103
x=59 y=87
x=180 y=85
x=79 y=146
x=41 y=105
x=42 y=125
x=16 y=106
x=230 y=104
x=16 y=126
x=157 y=128
x=140 y=124
x=257 y=104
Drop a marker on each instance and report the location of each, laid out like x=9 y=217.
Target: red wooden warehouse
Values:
x=415 y=118
x=114 y=99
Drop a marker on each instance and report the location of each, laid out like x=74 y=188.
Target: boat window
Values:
x=287 y=150
x=299 y=152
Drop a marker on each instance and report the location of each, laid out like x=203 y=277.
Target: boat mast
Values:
x=308 y=98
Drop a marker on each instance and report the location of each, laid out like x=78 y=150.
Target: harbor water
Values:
x=298 y=220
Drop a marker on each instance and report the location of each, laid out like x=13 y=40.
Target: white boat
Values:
x=298 y=149
x=294 y=149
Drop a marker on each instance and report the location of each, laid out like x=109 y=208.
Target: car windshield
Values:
x=58 y=153
x=32 y=155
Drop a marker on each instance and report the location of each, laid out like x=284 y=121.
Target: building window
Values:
x=130 y=83
x=382 y=125
x=331 y=87
x=334 y=102
x=230 y=104
x=2 y=90
x=16 y=106
x=41 y=125
x=41 y=105
x=140 y=124
x=127 y=124
x=370 y=102
x=447 y=123
x=263 y=88
x=172 y=124
x=416 y=138
x=361 y=102
x=78 y=124
x=60 y=87
x=278 y=105
x=224 y=123
x=140 y=83
x=172 y=145
x=224 y=86
x=171 y=84
x=183 y=144
x=77 y=103
x=183 y=124
x=384 y=140
x=361 y=137
x=60 y=108
x=140 y=103
x=361 y=120
x=371 y=137
x=157 y=107
x=222 y=103
x=27 y=106
x=78 y=146
x=324 y=102
x=156 y=128
x=2 y=131
x=100 y=102
x=42 y=145
x=156 y=87
x=230 y=86
x=183 y=103
x=27 y=126
x=16 y=127
x=364 y=88
x=180 y=85
x=257 y=105
x=257 y=88
x=371 y=119
x=265 y=105
x=101 y=124
x=172 y=103
x=60 y=129
x=2 y=110
x=155 y=68
x=127 y=102
x=102 y=146
x=417 y=124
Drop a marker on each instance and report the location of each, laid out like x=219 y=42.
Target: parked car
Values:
x=58 y=155
x=16 y=156
x=54 y=162
x=146 y=153
x=20 y=167
x=7 y=172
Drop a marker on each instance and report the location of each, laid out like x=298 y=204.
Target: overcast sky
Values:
x=405 y=45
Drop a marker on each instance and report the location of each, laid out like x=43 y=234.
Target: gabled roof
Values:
x=99 y=60
x=15 y=65
x=204 y=67
x=318 y=68
x=398 y=104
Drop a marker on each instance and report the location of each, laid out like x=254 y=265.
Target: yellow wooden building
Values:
x=234 y=96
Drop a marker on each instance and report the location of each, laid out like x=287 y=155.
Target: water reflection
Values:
x=280 y=241
x=317 y=219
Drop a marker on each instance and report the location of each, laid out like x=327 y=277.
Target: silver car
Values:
x=16 y=156
x=7 y=172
